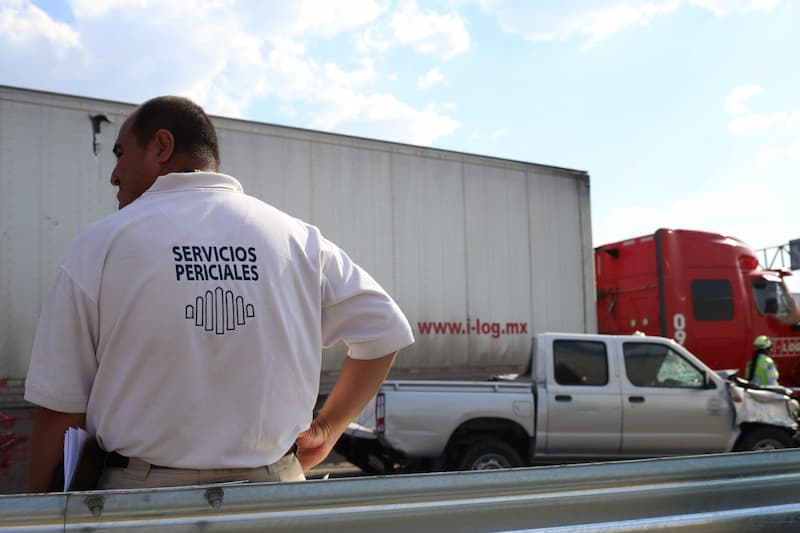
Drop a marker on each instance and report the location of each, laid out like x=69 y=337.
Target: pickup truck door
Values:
x=667 y=408
x=584 y=412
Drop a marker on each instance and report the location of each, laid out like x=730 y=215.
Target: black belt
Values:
x=116 y=460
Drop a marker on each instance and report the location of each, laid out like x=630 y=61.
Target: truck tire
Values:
x=488 y=454
x=765 y=439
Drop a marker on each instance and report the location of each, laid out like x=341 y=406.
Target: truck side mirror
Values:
x=708 y=383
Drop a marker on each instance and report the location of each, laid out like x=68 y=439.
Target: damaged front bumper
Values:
x=764 y=405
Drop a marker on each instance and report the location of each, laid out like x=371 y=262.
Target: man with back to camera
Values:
x=185 y=331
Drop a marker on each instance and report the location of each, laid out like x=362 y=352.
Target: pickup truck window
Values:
x=580 y=363
x=655 y=365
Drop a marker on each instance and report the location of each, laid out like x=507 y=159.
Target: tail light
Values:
x=380 y=413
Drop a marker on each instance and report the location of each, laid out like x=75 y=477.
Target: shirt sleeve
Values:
x=356 y=309
x=63 y=361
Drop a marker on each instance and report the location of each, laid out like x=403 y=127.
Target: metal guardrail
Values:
x=758 y=491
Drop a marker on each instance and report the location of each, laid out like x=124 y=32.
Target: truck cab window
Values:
x=712 y=299
x=770 y=296
x=654 y=365
x=580 y=363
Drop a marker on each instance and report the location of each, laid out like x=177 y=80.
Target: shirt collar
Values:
x=192 y=181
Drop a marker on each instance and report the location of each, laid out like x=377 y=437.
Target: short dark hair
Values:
x=190 y=126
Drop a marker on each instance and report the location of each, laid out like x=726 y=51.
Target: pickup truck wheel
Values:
x=489 y=454
x=765 y=439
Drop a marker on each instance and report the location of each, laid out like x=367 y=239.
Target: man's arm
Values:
x=357 y=384
x=47 y=444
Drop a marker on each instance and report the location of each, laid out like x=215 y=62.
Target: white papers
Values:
x=74 y=439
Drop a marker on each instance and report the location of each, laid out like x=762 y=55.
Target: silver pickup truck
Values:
x=585 y=397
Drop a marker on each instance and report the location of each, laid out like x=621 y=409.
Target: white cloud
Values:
x=571 y=18
x=23 y=24
x=291 y=74
x=319 y=17
x=370 y=41
x=430 y=78
x=340 y=99
x=326 y=19
x=136 y=55
x=228 y=55
x=92 y=8
x=37 y=51
x=599 y=19
x=442 y=35
x=600 y=23
x=348 y=79
x=430 y=33
x=734 y=102
x=384 y=116
x=247 y=50
x=770 y=140
x=727 y=7
x=745 y=120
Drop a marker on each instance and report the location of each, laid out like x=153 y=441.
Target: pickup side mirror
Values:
x=708 y=383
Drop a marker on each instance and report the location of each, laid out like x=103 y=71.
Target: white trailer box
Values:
x=479 y=252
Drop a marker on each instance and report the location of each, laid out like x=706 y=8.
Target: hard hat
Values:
x=762 y=342
x=638 y=333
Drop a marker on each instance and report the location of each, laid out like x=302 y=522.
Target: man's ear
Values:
x=164 y=145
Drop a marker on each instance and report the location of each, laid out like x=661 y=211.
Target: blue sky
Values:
x=686 y=113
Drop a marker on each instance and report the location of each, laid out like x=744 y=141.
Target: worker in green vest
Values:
x=762 y=370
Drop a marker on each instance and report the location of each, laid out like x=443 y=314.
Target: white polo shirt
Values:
x=189 y=325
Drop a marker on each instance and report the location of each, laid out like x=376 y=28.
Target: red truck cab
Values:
x=704 y=290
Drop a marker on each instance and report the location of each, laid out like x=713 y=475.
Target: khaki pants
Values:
x=140 y=474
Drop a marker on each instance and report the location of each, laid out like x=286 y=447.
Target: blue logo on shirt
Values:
x=219 y=311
